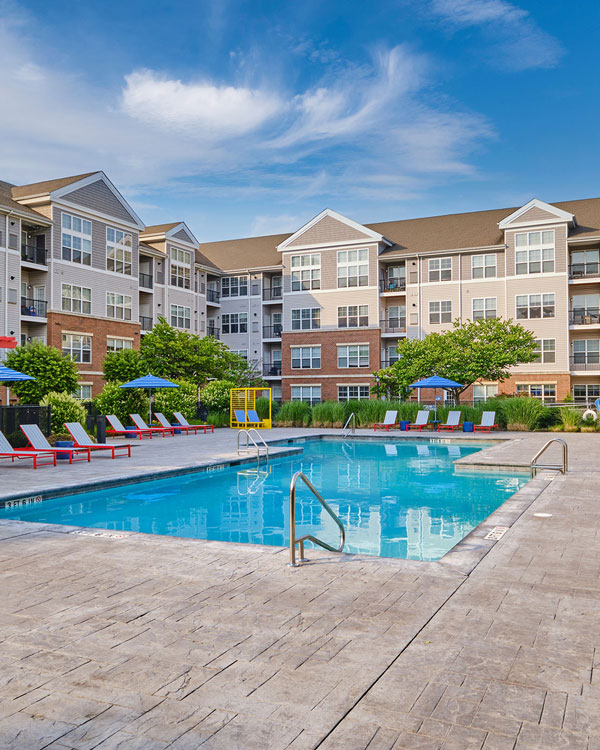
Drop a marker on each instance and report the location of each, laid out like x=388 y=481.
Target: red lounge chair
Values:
x=452 y=423
x=184 y=423
x=389 y=422
x=116 y=428
x=83 y=440
x=141 y=425
x=421 y=421
x=7 y=450
x=488 y=419
x=37 y=440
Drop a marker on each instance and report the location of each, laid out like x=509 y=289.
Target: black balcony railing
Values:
x=274 y=292
x=212 y=295
x=33 y=308
x=394 y=325
x=272 y=332
x=213 y=331
x=581 y=270
x=33 y=254
x=590 y=361
x=393 y=285
x=145 y=323
x=272 y=370
x=584 y=316
x=146 y=280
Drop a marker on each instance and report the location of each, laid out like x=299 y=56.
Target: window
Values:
x=440 y=269
x=241 y=353
x=440 y=312
x=306 y=357
x=180 y=316
x=311 y=394
x=76 y=239
x=118 y=306
x=545 y=350
x=77 y=346
x=535 y=306
x=305 y=318
x=353 y=392
x=586 y=352
x=353 y=355
x=586 y=393
x=83 y=391
x=353 y=316
x=484 y=307
x=234 y=286
x=117 y=345
x=544 y=391
x=392 y=355
x=482 y=393
x=306 y=272
x=234 y=323
x=76 y=299
x=352 y=268
x=534 y=252
x=180 y=268
x=484 y=266
x=118 y=251
x=585 y=309
x=584 y=263
x=396 y=318
x=395 y=278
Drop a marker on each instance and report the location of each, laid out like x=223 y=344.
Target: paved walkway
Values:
x=144 y=642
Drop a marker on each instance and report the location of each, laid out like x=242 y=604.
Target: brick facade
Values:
x=329 y=375
x=100 y=330
x=562 y=381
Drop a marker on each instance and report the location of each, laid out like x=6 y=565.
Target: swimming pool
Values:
x=396 y=499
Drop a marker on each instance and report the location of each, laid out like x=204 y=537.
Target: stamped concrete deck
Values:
x=139 y=641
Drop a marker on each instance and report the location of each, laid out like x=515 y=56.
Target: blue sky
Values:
x=245 y=118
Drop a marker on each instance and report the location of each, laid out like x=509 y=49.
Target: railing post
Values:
x=293 y=562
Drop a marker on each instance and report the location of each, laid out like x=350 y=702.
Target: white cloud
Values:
x=279 y=224
x=512 y=38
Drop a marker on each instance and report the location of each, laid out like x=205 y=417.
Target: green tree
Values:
x=63 y=408
x=53 y=373
x=471 y=351
x=183 y=399
x=122 y=402
x=123 y=366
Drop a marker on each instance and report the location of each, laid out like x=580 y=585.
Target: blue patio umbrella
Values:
x=435 y=382
x=12 y=376
x=150 y=383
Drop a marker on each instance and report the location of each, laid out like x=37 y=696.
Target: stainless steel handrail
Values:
x=254 y=443
x=352 y=418
x=308 y=537
x=565 y=458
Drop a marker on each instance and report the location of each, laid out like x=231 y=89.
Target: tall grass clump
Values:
x=522 y=413
x=218 y=418
x=293 y=414
x=570 y=418
x=262 y=407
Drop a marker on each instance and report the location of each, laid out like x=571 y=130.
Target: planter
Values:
x=468 y=427
x=63 y=444
x=404 y=424
x=176 y=431
x=130 y=435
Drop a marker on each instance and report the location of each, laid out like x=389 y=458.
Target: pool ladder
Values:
x=308 y=537
x=563 y=468
x=250 y=439
x=347 y=429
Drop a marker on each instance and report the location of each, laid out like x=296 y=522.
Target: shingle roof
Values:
x=7 y=201
x=159 y=228
x=252 y=252
x=41 y=188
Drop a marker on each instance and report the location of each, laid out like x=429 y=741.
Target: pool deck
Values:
x=139 y=642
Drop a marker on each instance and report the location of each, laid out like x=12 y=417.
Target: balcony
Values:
x=146 y=280
x=584 y=270
x=145 y=323
x=587 y=316
x=272 y=294
x=272 y=370
x=213 y=296
x=272 y=332
x=585 y=362
x=393 y=285
x=394 y=326
x=213 y=331
x=33 y=308
x=32 y=254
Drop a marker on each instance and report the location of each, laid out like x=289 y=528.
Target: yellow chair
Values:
x=242 y=408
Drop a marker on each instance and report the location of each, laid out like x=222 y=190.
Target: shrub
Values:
x=570 y=418
x=63 y=408
x=294 y=414
x=53 y=373
x=522 y=412
x=216 y=395
x=123 y=366
x=218 y=418
x=122 y=402
x=183 y=399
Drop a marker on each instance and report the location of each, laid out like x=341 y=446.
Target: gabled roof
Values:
x=9 y=203
x=160 y=228
x=251 y=252
x=176 y=231
x=47 y=186
x=347 y=230
x=535 y=211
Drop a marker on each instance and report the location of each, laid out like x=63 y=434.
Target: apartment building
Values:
x=318 y=311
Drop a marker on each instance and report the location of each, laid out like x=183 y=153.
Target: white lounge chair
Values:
x=452 y=423
x=83 y=440
x=488 y=419
x=195 y=427
x=116 y=428
x=421 y=420
x=389 y=421
x=141 y=425
x=38 y=441
x=7 y=451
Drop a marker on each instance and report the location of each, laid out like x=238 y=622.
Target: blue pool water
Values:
x=399 y=499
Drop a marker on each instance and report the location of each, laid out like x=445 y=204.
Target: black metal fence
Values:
x=13 y=416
